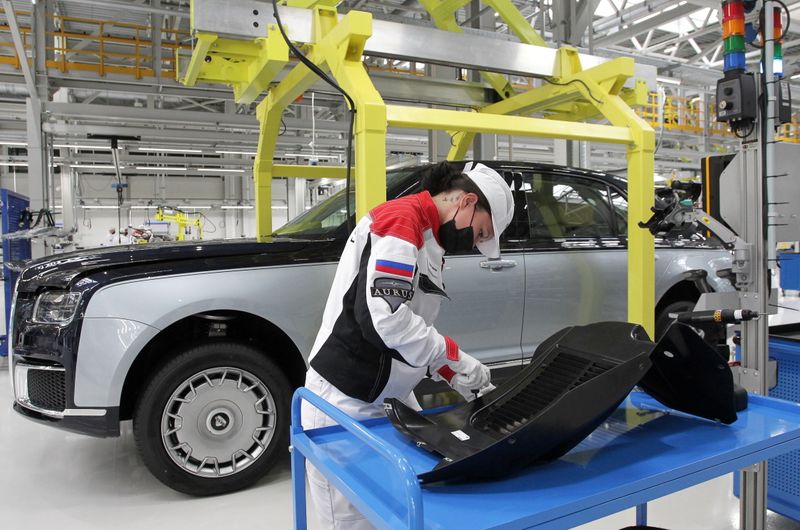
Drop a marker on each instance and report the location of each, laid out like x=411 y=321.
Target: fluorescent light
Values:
x=280 y=207
x=219 y=170
x=99 y=207
x=235 y=152
x=236 y=207
x=18 y=164
x=310 y=156
x=182 y=207
x=94 y=166
x=17 y=144
x=668 y=80
x=95 y=147
x=795 y=76
x=166 y=168
x=167 y=150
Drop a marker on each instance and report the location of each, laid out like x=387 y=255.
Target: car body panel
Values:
x=131 y=294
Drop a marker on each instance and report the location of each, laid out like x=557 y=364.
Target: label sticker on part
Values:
x=461 y=435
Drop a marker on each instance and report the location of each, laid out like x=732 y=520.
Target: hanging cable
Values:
x=352 y=106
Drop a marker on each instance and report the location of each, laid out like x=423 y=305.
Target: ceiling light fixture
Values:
x=668 y=80
x=92 y=147
x=235 y=152
x=236 y=207
x=94 y=166
x=219 y=170
x=167 y=150
x=15 y=144
x=165 y=168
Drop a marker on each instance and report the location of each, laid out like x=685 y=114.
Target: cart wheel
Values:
x=214 y=419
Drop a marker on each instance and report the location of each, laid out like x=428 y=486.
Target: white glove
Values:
x=466 y=375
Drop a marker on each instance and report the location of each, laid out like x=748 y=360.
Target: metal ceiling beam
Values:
x=130 y=6
x=643 y=27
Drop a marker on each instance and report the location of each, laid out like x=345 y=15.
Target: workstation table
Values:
x=641 y=452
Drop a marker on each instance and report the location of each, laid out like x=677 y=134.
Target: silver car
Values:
x=202 y=344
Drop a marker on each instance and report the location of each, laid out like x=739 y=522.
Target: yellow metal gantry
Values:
x=336 y=45
x=182 y=219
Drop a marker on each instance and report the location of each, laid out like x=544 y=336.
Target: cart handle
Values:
x=413 y=493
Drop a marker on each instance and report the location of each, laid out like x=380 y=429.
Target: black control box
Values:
x=736 y=98
x=784 y=101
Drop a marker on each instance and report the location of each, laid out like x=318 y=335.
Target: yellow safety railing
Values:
x=68 y=56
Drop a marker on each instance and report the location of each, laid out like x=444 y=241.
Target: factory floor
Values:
x=51 y=477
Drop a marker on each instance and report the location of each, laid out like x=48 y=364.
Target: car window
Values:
x=560 y=207
x=620 y=206
x=325 y=218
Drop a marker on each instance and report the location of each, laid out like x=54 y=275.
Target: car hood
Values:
x=61 y=270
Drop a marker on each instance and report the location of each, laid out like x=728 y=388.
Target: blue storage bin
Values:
x=790 y=270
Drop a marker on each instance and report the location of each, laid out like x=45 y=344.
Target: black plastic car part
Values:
x=576 y=379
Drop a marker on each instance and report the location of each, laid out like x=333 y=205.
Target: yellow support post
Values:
x=344 y=60
x=641 y=185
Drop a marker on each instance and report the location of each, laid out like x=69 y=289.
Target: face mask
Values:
x=457 y=239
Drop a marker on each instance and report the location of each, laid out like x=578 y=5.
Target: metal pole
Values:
x=758 y=161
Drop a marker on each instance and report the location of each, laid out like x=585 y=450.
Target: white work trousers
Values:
x=334 y=511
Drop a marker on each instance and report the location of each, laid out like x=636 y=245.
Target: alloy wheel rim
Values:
x=218 y=422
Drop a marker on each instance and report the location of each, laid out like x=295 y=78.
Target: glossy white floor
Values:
x=49 y=477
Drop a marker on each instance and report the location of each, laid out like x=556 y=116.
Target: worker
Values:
x=377 y=340
x=111 y=237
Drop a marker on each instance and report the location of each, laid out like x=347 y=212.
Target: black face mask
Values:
x=456 y=239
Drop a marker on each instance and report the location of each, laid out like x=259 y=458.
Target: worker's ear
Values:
x=469 y=199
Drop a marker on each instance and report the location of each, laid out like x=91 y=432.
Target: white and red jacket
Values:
x=377 y=337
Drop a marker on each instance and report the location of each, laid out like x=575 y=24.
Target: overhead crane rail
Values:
x=94 y=51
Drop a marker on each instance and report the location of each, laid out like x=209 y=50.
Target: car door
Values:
x=486 y=299
x=575 y=263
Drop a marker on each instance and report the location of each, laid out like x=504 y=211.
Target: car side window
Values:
x=620 y=205
x=567 y=207
x=519 y=228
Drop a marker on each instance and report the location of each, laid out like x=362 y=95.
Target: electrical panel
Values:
x=784 y=101
x=736 y=98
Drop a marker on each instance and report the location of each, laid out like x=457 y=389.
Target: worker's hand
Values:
x=465 y=374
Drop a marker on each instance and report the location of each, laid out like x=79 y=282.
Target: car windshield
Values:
x=323 y=219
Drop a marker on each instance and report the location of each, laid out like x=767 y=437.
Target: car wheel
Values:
x=213 y=419
x=663 y=318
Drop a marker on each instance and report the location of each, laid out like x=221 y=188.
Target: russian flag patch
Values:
x=394 y=267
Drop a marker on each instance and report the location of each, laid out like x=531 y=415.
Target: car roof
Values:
x=505 y=165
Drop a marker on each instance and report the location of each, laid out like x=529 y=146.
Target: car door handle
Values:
x=497 y=264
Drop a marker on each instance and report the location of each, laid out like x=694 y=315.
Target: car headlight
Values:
x=55 y=307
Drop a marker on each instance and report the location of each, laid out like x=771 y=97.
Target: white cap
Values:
x=501 y=202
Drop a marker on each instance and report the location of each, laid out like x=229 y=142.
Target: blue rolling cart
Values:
x=13 y=250
x=642 y=452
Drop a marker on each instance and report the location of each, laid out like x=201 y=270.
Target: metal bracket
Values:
x=749 y=378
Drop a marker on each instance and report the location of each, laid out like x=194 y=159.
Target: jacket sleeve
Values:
x=385 y=283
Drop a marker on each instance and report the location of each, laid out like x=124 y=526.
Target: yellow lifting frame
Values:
x=337 y=46
x=599 y=88
x=442 y=13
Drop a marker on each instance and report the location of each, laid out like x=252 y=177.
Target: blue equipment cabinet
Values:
x=13 y=249
x=783 y=472
x=790 y=271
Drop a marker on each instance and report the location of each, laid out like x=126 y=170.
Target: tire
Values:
x=214 y=419
x=663 y=318
x=713 y=334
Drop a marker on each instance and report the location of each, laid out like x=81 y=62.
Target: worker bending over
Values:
x=377 y=338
